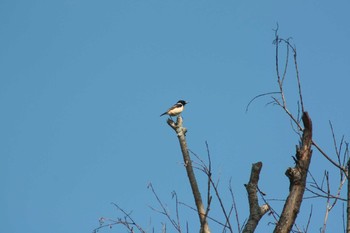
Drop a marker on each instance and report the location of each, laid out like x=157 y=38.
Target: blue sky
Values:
x=82 y=84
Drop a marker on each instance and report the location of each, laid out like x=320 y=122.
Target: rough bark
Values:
x=297 y=178
x=181 y=134
x=256 y=211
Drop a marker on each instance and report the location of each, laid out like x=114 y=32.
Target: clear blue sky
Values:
x=82 y=84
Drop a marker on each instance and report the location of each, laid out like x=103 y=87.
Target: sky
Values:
x=82 y=85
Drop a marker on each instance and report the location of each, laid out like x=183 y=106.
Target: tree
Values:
x=300 y=178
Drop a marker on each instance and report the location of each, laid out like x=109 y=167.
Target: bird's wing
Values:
x=177 y=105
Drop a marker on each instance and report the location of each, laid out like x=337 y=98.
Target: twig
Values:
x=348 y=200
x=234 y=206
x=209 y=174
x=308 y=221
x=258 y=96
x=207 y=170
x=211 y=218
x=177 y=210
x=164 y=210
x=327 y=205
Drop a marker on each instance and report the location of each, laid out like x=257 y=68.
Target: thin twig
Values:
x=234 y=206
x=164 y=210
x=211 y=218
x=308 y=221
x=258 y=96
x=207 y=171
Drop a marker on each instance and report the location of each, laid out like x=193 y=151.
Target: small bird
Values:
x=176 y=109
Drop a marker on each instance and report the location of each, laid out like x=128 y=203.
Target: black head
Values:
x=182 y=102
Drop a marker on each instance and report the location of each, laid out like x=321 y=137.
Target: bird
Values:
x=176 y=109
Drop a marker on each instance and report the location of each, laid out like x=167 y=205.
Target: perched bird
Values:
x=176 y=109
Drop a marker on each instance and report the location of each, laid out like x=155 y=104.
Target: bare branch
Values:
x=279 y=80
x=298 y=78
x=235 y=207
x=327 y=157
x=207 y=171
x=209 y=174
x=211 y=218
x=256 y=211
x=177 y=210
x=343 y=218
x=164 y=210
x=348 y=200
x=127 y=221
x=258 y=96
x=308 y=221
x=181 y=134
x=323 y=195
x=327 y=206
x=297 y=177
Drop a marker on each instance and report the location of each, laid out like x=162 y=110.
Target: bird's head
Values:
x=182 y=102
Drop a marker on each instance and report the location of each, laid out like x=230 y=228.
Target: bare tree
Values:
x=298 y=175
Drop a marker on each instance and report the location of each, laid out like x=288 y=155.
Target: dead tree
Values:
x=297 y=175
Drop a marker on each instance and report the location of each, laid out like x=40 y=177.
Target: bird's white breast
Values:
x=176 y=111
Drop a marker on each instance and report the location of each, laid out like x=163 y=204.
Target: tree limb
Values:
x=348 y=201
x=256 y=211
x=181 y=134
x=297 y=177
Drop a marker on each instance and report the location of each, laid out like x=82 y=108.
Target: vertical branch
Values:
x=279 y=80
x=165 y=212
x=181 y=134
x=308 y=221
x=298 y=79
x=297 y=177
x=206 y=169
x=235 y=207
x=348 y=200
x=328 y=208
x=177 y=211
x=256 y=212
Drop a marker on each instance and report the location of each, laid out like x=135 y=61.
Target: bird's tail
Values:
x=164 y=114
